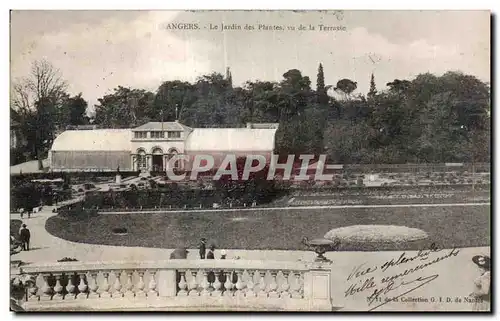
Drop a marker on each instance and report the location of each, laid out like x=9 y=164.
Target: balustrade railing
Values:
x=216 y=284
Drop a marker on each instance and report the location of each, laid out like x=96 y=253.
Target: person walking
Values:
x=25 y=236
x=481 y=293
x=203 y=248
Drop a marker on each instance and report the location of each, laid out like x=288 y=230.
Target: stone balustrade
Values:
x=179 y=285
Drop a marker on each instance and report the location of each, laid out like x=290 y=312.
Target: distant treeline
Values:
x=428 y=119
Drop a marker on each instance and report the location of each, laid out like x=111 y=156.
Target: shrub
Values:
x=359 y=182
x=153 y=184
x=88 y=186
x=67 y=259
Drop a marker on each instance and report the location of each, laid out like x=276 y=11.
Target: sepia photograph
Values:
x=250 y=160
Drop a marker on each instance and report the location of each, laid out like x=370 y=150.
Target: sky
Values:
x=97 y=51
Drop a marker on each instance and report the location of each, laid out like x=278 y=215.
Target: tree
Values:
x=125 y=108
x=171 y=97
x=295 y=94
x=399 y=86
x=229 y=77
x=373 y=88
x=72 y=111
x=321 y=90
x=346 y=86
x=36 y=98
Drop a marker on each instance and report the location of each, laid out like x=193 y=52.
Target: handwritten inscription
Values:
x=382 y=289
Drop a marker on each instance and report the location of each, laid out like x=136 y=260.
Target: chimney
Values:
x=249 y=125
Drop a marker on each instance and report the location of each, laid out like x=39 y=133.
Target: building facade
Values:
x=150 y=147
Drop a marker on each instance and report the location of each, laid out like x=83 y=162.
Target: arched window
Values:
x=141 y=158
x=157 y=151
x=171 y=153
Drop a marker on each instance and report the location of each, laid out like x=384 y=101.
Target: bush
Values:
x=67 y=259
x=88 y=186
x=153 y=184
x=359 y=182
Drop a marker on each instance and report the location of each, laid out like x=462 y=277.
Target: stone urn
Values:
x=320 y=247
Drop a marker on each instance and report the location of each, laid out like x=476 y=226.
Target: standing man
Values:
x=25 y=237
x=203 y=248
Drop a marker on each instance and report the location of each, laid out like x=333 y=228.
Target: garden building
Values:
x=150 y=146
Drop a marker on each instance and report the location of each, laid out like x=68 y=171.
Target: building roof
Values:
x=93 y=140
x=154 y=125
x=230 y=139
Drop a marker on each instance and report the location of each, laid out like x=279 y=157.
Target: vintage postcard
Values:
x=250 y=161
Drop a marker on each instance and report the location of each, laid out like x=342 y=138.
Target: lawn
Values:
x=448 y=227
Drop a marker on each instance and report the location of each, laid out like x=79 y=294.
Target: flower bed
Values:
x=379 y=238
x=376 y=233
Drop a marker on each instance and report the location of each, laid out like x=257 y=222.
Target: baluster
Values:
x=16 y=282
x=262 y=284
x=140 y=285
x=182 y=284
x=70 y=288
x=273 y=286
x=228 y=284
x=296 y=286
x=285 y=286
x=58 y=288
x=82 y=287
x=217 y=285
x=240 y=285
x=93 y=286
x=117 y=286
x=152 y=285
x=250 y=284
x=105 y=286
x=129 y=286
x=205 y=285
x=46 y=289
x=193 y=286
x=32 y=290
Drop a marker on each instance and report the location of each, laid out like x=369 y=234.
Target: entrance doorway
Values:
x=157 y=163
x=157 y=159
